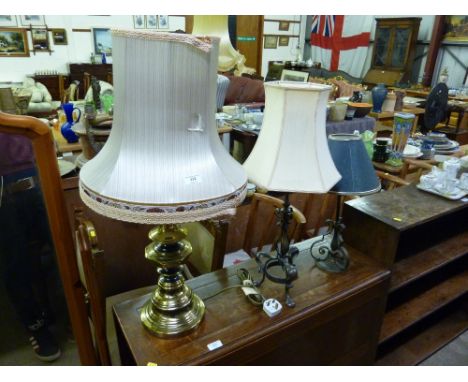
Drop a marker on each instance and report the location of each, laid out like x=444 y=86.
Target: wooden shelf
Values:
x=412 y=268
x=414 y=310
x=427 y=342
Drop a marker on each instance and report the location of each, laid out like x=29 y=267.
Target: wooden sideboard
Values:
x=423 y=238
x=336 y=320
x=55 y=84
x=102 y=72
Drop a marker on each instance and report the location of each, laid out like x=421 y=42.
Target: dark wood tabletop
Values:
x=248 y=334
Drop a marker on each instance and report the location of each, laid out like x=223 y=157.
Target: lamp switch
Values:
x=272 y=307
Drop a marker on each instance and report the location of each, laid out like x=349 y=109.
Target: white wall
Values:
x=283 y=53
x=79 y=48
x=455 y=70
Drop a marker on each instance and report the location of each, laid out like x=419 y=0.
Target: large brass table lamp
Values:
x=164 y=163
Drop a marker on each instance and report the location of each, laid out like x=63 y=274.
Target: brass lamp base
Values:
x=173 y=309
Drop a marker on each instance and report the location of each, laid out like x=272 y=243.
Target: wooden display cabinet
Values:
x=423 y=238
x=394 y=46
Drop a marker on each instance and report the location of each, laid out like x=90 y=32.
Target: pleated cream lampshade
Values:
x=217 y=25
x=291 y=153
x=163 y=162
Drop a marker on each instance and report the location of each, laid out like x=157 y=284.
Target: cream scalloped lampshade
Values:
x=217 y=25
x=163 y=161
x=291 y=153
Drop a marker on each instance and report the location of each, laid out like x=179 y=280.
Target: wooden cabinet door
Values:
x=249 y=32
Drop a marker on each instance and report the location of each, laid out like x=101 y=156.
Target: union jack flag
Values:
x=329 y=25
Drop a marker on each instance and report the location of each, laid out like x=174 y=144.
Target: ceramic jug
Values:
x=66 y=128
x=379 y=93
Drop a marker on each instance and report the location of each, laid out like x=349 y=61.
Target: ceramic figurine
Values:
x=356 y=97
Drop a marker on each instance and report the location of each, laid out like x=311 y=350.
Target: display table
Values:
x=336 y=320
x=359 y=124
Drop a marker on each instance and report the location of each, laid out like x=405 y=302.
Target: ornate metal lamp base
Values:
x=173 y=309
x=287 y=267
x=328 y=260
x=329 y=253
x=284 y=255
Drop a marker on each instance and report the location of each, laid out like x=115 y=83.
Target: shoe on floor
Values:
x=44 y=345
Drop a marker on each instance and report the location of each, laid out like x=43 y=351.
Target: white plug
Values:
x=272 y=307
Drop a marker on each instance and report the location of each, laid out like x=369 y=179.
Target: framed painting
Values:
x=456 y=28
x=33 y=20
x=283 y=41
x=163 y=22
x=283 y=25
x=292 y=75
x=8 y=21
x=102 y=41
x=152 y=22
x=271 y=42
x=139 y=21
x=40 y=39
x=59 y=36
x=13 y=42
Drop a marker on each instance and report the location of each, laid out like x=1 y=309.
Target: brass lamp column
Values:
x=163 y=163
x=173 y=308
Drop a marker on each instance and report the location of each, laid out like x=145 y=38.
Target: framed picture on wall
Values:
x=152 y=21
x=283 y=25
x=13 y=42
x=292 y=75
x=102 y=41
x=33 y=20
x=8 y=21
x=163 y=22
x=271 y=42
x=283 y=41
x=59 y=36
x=40 y=39
x=139 y=21
x=456 y=29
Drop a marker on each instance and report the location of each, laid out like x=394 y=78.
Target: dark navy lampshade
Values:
x=354 y=165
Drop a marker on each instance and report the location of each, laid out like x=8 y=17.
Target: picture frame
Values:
x=59 y=36
x=163 y=21
x=271 y=42
x=283 y=25
x=152 y=22
x=102 y=41
x=456 y=29
x=13 y=42
x=283 y=41
x=40 y=39
x=139 y=21
x=8 y=21
x=33 y=20
x=293 y=75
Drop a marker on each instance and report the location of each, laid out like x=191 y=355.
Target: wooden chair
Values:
x=72 y=92
x=46 y=162
x=113 y=263
x=413 y=169
x=389 y=181
x=261 y=224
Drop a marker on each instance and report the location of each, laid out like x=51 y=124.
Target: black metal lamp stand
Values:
x=331 y=255
x=284 y=254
